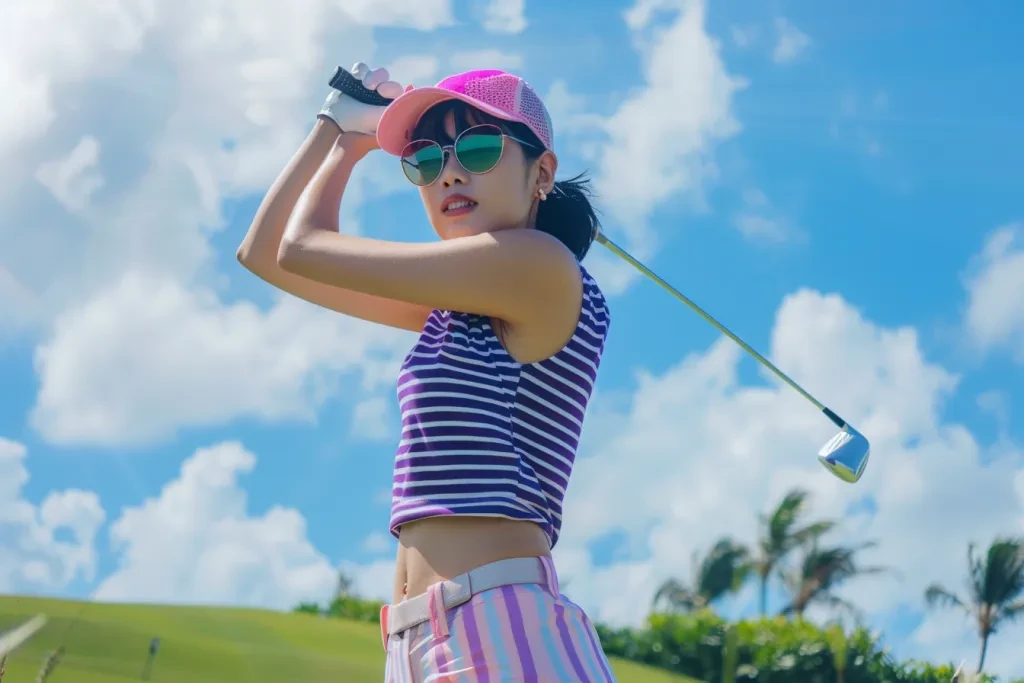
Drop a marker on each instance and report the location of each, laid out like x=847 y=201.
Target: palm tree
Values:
x=721 y=571
x=780 y=534
x=995 y=588
x=343 y=588
x=820 y=572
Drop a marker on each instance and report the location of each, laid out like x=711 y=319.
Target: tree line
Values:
x=994 y=593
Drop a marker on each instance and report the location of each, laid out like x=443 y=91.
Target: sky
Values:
x=839 y=183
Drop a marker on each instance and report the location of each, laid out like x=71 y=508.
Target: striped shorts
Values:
x=526 y=633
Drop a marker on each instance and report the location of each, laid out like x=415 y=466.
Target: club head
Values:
x=846 y=454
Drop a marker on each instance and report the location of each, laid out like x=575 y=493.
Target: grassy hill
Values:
x=208 y=645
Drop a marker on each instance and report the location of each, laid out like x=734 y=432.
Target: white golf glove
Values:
x=356 y=117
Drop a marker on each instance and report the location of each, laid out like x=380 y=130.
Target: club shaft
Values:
x=624 y=255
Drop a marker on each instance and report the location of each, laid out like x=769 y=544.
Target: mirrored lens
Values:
x=479 y=148
x=422 y=161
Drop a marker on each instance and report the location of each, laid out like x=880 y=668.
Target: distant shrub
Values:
x=308 y=608
x=348 y=607
x=766 y=650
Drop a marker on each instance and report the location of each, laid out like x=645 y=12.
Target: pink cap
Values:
x=495 y=92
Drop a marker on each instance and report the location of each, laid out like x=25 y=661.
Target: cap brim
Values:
x=394 y=131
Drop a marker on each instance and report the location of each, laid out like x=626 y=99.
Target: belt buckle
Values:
x=457 y=591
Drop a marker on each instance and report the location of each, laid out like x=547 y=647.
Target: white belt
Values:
x=457 y=591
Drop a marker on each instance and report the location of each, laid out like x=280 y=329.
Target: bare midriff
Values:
x=440 y=548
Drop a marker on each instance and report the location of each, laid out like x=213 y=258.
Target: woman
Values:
x=494 y=392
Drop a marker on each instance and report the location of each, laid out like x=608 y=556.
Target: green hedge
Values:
x=355 y=609
x=766 y=650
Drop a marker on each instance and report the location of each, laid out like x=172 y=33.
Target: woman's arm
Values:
x=258 y=251
x=522 y=277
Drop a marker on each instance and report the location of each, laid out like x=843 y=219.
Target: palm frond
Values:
x=940 y=596
x=812 y=532
x=842 y=605
x=821 y=570
x=675 y=597
x=1002 y=576
x=1011 y=612
x=721 y=570
x=784 y=516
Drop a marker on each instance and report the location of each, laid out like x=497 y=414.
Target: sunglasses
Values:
x=477 y=149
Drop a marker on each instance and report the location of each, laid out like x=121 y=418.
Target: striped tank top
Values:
x=484 y=435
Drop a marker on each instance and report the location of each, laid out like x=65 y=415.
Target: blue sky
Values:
x=840 y=184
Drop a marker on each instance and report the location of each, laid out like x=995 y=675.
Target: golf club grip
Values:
x=345 y=82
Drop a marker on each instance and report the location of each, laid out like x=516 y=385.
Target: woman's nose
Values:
x=451 y=170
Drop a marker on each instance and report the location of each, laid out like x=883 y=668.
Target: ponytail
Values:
x=568 y=215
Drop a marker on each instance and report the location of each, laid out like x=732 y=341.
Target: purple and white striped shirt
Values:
x=483 y=435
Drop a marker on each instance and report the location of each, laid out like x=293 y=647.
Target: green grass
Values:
x=209 y=645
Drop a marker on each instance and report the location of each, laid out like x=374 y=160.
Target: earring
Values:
x=542 y=194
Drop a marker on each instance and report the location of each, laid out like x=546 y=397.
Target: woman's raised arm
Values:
x=259 y=248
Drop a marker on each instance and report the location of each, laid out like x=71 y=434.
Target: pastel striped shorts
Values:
x=526 y=633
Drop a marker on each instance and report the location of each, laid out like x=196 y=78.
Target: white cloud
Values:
x=373 y=580
x=192 y=103
x=197 y=543
x=698 y=441
x=45 y=45
x=378 y=542
x=75 y=178
x=505 y=16
x=568 y=111
x=642 y=12
x=743 y=36
x=790 y=43
x=485 y=59
x=996 y=404
x=853 y=123
x=371 y=420
x=759 y=228
x=147 y=357
x=661 y=139
x=615 y=275
x=417 y=70
x=425 y=15
x=19 y=309
x=759 y=221
x=994 y=318
x=46 y=546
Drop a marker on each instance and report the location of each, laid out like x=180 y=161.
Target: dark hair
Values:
x=566 y=214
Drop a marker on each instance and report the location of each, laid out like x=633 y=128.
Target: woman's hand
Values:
x=356 y=117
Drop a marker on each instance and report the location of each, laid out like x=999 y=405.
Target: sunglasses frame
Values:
x=449 y=151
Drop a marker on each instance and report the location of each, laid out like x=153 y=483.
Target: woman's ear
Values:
x=546 y=166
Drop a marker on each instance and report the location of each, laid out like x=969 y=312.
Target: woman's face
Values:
x=500 y=199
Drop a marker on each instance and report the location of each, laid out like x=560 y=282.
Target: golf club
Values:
x=845 y=455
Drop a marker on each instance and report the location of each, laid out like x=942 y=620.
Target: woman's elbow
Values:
x=243 y=255
x=289 y=255
x=246 y=258
x=256 y=262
